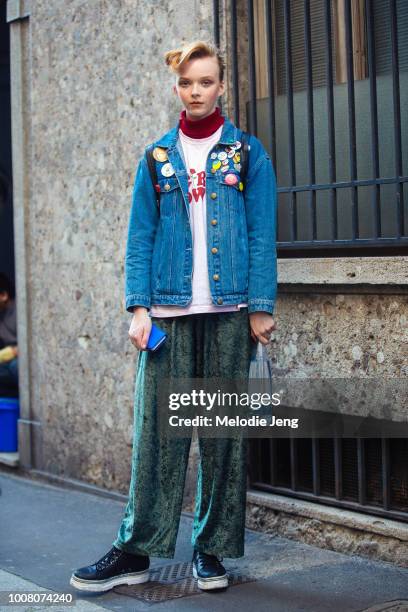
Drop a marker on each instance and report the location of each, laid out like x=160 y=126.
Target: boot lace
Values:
x=111 y=557
x=218 y=557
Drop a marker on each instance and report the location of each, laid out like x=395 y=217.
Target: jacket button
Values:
x=214 y=250
x=219 y=301
x=213 y=195
x=166 y=187
x=216 y=277
x=213 y=221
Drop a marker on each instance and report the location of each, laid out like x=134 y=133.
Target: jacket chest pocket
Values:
x=170 y=196
x=231 y=189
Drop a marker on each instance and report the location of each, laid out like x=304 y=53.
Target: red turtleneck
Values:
x=201 y=128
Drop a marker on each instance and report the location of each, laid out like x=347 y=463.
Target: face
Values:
x=4 y=298
x=198 y=86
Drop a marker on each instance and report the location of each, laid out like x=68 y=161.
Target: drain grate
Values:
x=172 y=582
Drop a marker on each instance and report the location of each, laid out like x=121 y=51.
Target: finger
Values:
x=135 y=337
x=133 y=341
x=145 y=337
x=263 y=338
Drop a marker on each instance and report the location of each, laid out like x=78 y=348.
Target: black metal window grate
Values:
x=324 y=85
x=362 y=474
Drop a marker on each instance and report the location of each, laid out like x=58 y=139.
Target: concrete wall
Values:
x=100 y=91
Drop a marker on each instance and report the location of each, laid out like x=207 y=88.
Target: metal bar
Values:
x=351 y=117
x=293 y=463
x=291 y=130
x=385 y=464
x=272 y=460
x=253 y=127
x=361 y=470
x=258 y=465
x=316 y=465
x=234 y=66
x=343 y=184
x=216 y=22
x=330 y=117
x=358 y=242
x=397 y=116
x=338 y=470
x=250 y=469
x=376 y=192
x=216 y=30
x=271 y=80
x=310 y=115
x=255 y=461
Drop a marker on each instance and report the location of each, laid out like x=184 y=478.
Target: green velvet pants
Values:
x=198 y=346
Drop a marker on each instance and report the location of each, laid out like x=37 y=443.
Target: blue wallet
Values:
x=156 y=338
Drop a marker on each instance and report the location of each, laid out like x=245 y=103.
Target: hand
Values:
x=140 y=328
x=262 y=324
x=15 y=350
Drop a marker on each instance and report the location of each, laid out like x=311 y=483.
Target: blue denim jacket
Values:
x=241 y=225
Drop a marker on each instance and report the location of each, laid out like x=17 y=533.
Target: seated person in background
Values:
x=8 y=340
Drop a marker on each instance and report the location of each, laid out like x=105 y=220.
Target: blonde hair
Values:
x=177 y=58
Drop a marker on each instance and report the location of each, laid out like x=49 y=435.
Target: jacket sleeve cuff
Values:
x=137 y=299
x=263 y=305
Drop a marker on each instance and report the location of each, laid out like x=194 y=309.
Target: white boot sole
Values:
x=96 y=586
x=206 y=584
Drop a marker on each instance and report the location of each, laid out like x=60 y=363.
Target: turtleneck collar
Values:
x=201 y=128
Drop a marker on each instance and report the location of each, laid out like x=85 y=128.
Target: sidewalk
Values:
x=46 y=532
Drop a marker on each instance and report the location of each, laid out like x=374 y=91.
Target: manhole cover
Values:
x=172 y=582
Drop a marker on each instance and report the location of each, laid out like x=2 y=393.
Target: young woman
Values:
x=202 y=266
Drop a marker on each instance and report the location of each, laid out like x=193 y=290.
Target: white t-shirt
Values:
x=196 y=151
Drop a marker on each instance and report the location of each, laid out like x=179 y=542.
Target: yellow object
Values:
x=6 y=354
x=241 y=186
x=160 y=154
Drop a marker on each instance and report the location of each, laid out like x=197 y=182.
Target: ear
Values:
x=175 y=90
x=222 y=88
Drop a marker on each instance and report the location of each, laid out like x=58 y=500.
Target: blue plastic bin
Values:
x=9 y=414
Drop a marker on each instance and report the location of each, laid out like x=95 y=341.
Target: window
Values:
x=323 y=84
x=365 y=475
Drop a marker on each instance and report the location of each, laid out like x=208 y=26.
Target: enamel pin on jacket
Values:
x=241 y=227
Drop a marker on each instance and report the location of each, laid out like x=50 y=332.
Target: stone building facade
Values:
x=89 y=90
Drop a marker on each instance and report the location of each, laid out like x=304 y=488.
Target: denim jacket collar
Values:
x=229 y=135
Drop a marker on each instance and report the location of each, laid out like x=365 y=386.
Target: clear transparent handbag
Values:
x=260 y=379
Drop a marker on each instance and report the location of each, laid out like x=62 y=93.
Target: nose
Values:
x=195 y=89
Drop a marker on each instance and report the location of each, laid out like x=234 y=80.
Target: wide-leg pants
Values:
x=198 y=346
